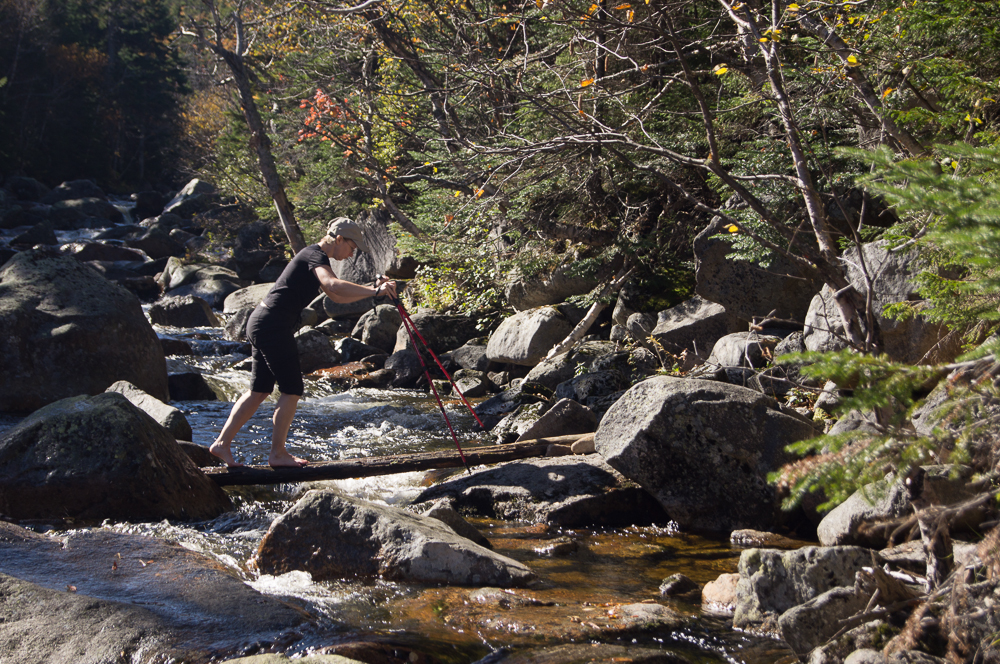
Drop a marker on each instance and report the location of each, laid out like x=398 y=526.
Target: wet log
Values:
x=386 y=465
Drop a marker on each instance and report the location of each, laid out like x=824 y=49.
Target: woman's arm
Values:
x=345 y=292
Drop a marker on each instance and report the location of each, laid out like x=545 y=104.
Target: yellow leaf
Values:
x=593 y=8
x=886 y=93
x=793 y=7
x=625 y=6
x=733 y=228
x=954 y=165
x=631 y=15
x=457 y=194
x=763 y=40
x=479 y=193
x=852 y=60
x=721 y=69
x=539 y=3
x=738 y=6
x=585 y=82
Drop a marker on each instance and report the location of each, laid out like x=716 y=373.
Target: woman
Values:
x=271 y=329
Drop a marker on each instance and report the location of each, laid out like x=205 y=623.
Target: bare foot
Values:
x=285 y=460
x=221 y=450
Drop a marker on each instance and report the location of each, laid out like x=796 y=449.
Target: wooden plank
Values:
x=385 y=465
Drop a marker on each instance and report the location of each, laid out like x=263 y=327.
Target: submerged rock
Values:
x=101 y=457
x=334 y=536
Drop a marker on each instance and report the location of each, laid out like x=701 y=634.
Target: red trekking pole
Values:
x=414 y=334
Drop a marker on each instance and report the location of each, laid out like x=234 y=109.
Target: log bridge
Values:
x=388 y=465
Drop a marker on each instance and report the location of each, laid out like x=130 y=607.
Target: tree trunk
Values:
x=387 y=465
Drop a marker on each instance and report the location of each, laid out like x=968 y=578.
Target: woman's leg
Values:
x=243 y=410
x=284 y=412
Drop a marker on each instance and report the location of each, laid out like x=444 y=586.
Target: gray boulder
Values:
x=101 y=457
x=814 y=622
x=333 y=536
x=579 y=491
x=441 y=332
x=743 y=349
x=591 y=386
x=155 y=243
x=406 y=368
x=745 y=289
x=565 y=417
x=196 y=196
x=527 y=336
x=524 y=293
x=894 y=277
x=443 y=511
x=177 y=274
x=246 y=298
x=183 y=311
x=165 y=415
x=67 y=214
x=584 y=357
x=379 y=327
x=99 y=251
x=65 y=331
x=773 y=581
x=316 y=350
x=694 y=325
x=472 y=355
x=213 y=291
x=42 y=233
x=73 y=189
x=515 y=423
x=702 y=448
x=25 y=188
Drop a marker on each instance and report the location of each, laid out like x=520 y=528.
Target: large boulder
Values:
x=565 y=417
x=894 y=280
x=773 y=581
x=333 y=536
x=441 y=332
x=527 y=336
x=101 y=457
x=183 y=311
x=246 y=298
x=583 y=357
x=693 y=326
x=65 y=331
x=167 y=416
x=91 y=595
x=155 y=242
x=703 y=449
x=379 y=327
x=748 y=290
x=572 y=492
x=524 y=293
x=73 y=189
x=316 y=350
x=69 y=214
x=743 y=349
x=196 y=196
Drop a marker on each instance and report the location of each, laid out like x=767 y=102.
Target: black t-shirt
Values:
x=298 y=285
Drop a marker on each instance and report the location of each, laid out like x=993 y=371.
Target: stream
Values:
x=608 y=566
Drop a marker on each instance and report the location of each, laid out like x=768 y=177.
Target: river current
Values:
x=606 y=567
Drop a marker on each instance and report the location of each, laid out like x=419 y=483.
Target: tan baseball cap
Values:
x=345 y=227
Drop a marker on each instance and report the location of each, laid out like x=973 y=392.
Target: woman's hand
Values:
x=384 y=286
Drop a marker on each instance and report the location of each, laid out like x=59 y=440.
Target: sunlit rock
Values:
x=65 y=330
x=333 y=536
x=94 y=458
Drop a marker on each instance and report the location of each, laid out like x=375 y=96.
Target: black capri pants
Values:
x=275 y=354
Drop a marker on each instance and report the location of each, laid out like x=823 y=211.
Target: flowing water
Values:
x=605 y=567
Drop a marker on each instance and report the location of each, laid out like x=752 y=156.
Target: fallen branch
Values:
x=384 y=465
